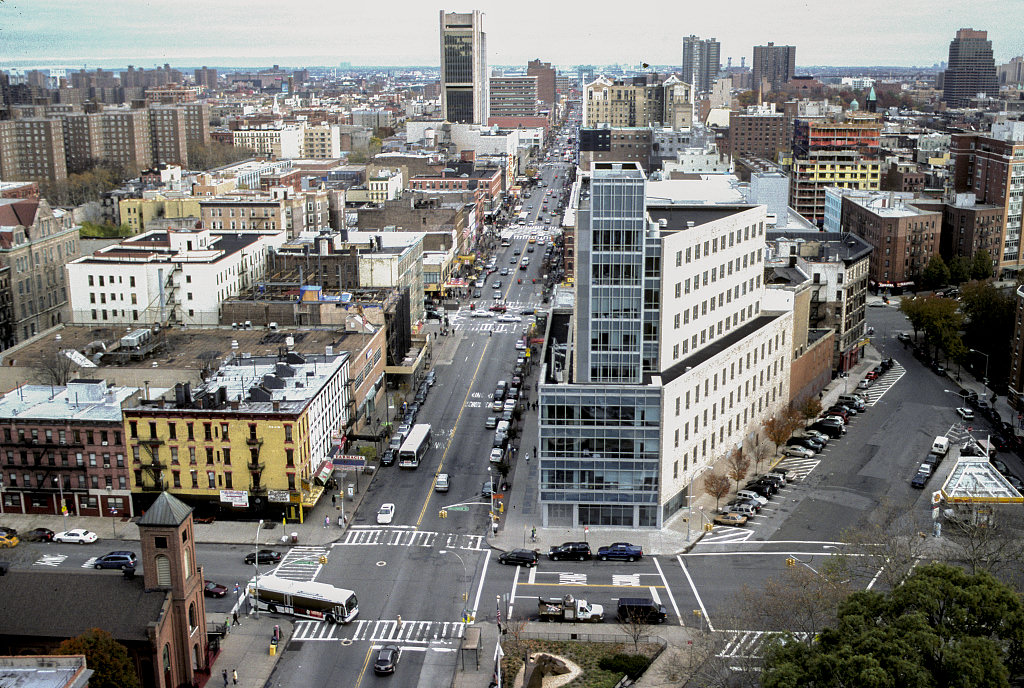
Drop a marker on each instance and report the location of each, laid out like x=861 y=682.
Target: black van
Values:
x=641 y=609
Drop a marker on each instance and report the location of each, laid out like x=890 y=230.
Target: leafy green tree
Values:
x=959 y=270
x=108 y=659
x=988 y=325
x=940 y=320
x=941 y=627
x=981 y=266
x=913 y=308
x=936 y=273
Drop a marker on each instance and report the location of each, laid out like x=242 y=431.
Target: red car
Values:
x=211 y=589
x=499 y=308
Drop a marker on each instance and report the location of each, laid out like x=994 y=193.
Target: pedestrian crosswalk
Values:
x=799 y=466
x=750 y=644
x=409 y=537
x=381 y=630
x=301 y=563
x=883 y=384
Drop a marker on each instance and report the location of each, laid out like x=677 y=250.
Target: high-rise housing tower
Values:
x=701 y=61
x=971 y=69
x=464 y=79
x=776 y=63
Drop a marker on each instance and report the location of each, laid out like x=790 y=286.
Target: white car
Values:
x=496 y=455
x=802 y=452
x=508 y=317
x=80 y=536
x=747 y=494
x=965 y=413
x=480 y=314
x=386 y=514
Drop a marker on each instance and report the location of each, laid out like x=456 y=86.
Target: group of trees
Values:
x=942 y=626
x=959 y=270
x=87 y=184
x=216 y=154
x=982 y=319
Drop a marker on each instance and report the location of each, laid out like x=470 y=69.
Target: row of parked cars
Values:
x=754 y=495
x=579 y=551
x=408 y=419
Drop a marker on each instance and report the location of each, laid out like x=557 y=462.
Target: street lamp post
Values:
x=975 y=351
x=689 y=500
x=256 y=565
x=465 y=574
x=63 y=506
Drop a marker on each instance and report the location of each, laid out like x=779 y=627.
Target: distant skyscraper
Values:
x=776 y=63
x=701 y=61
x=971 y=70
x=545 y=74
x=464 y=76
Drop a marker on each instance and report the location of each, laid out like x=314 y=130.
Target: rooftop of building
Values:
x=680 y=218
x=716 y=347
x=44 y=671
x=188 y=349
x=831 y=245
x=696 y=189
x=61 y=604
x=82 y=400
x=155 y=247
x=892 y=206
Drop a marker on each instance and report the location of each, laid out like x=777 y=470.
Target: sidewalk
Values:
x=246 y=649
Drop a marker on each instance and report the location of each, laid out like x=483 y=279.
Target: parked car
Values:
x=811 y=443
x=491 y=422
x=620 y=551
x=730 y=519
x=431 y=378
x=387 y=660
x=77 y=535
x=486 y=490
x=264 y=556
x=9 y=541
x=386 y=514
x=814 y=434
x=388 y=459
x=965 y=413
x=121 y=559
x=7 y=530
x=833 y=430
x=753 y=496
x=802 y=452
x=570 y=550
x=519 y=557
x=39 y=535
x=211 y=589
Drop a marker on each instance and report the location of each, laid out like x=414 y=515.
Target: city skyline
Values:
x=39 y=32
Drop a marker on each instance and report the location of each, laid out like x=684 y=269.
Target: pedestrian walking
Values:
x=234 y=676
x=399 y=618
x=327 y=521
x=225 y=674
x=234 y=618
x=334 y=500
x=236 y=589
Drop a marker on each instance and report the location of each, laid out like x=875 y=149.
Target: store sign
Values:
x=278 y=496
x=238 y=498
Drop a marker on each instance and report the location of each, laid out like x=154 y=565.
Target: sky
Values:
x=75 y=33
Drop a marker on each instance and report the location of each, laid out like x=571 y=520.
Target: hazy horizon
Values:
x=263 y=32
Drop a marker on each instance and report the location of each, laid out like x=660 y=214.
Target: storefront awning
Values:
x=323 y=474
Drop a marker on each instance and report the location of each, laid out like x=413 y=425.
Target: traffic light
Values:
x=323 y=559
x=443 y=513
x=790 y=561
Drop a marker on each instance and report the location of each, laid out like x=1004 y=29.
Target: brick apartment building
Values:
x=904 y=237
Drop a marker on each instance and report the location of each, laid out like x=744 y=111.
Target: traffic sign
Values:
x=498 y=496
x=458 y=508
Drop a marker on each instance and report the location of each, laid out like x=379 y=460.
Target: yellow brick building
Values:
x=254 y=442
x=137 y=212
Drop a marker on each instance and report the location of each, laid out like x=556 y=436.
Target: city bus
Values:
x=524 y=217
x=415 y=446
x=299 y=598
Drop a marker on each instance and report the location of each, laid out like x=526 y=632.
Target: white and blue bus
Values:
x=300 y=598
x=415 y=446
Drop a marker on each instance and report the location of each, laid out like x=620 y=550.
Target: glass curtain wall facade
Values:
x=600 y=438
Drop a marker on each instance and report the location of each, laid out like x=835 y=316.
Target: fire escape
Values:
x=156 y=466
x=256 y=465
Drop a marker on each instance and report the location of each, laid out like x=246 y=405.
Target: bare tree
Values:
x=635 y=626
x=514 y=628
x=981 y=541
x=716 y=485
x=883 y=552
x=778 y=430
x=802 y=600
x=55 y=369
x=738 y=466
x=710 y=660
x=810 y=409
x=762 y=452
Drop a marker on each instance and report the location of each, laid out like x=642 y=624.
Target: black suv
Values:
x=518 y=557
x=388 y=458
x=266 y=556
x=570 y=550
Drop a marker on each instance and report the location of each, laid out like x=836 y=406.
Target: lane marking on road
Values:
x=480 y=587
x=572 y=578
x=589 y=585
x=50 y=560
x=631 y=580
x=668 y=590
x=771 y=554
x=532 y=578
x=693 y=587
x=796 y=542
x=366 y=663
x=451 y=438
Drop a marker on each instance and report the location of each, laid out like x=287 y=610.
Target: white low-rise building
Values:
x=167 y=276
x=276 y=142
